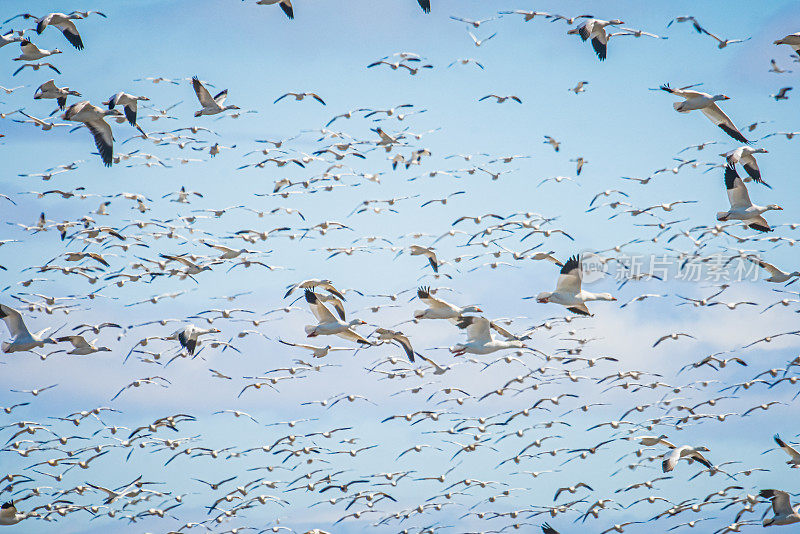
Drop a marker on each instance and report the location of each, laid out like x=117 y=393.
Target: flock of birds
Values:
x=487 y=427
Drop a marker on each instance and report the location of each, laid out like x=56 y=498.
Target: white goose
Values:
x=31 y=52
x=742 y=208
x=23 y=340
x=93 y=118
x=330 y=325
x=64 y=24
x=793 y=40
x=128 y=103
x=285 y=5
x=49 y=90
x=480 y=339
x=744 y=156
x=9 y=514
x=568 y=290
x=706 y=103
x=595 y=30
x=785 y=513
x=82 y=347
x=188 y=336
x=776 y=275
x=686 y=451
x=211 y=106
x=440 y=309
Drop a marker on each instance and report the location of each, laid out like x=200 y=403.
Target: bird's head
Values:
x=774 y=207
x=543 y=298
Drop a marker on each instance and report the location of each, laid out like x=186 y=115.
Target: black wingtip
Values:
x=572 y=263
x=311 y=297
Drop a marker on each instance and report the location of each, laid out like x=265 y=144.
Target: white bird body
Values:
x=330 y=325
x=480 y=339
x=568 y=290
x=23 y=341
x=785 y=513
x=742 y=208
x=440 y=309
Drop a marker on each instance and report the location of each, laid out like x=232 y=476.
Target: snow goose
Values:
x=82 y=347
x=685 y=451
x=479 y=42
x=792 y=40
x=93 y=118
x=501 y=99
x=742 y=208
x=785 y=513
x=480 y=339
x=794 y=460
x=285 y=5
x=31 y=52
x=781 y=94
x=595 y=30
x=188 y=336
x=63 y=23
x=330 y=325
x=722 y=43
x=398 y=337
x=568 y=290
x=8 y=38
x=49 y=90
x=327 y=285
x=744 y=156
x=300 y=96
x=211 y=106
x=417 y=250
x=23 y=340
x=440 y=309
x=128 y=103
x=776 y=275
x=9 y=514
x=708 y=105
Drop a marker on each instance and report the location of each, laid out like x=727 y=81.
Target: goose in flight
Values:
x=595 y=30
x=128 y=103
x=440 y=309
x=479 y=42
x=327 y=285
x=722 y=43
x=480 y=339
x=742 y=208
x=211 y=106
x=744 y=156
x=501 y=99
x=23 y=340
x=9 y=514
x=568 y=290
x=93 y=118
x=694 y=100
x=81 y=346
x=794 y=456
x=785 y=513
x=63 y=22
x=300 y=96
x=781 y=94
x=31 y=52
x=776 y=275
x=398 y=337
x=188 y=336
x=36 y=67
x=285 y=5
x=328 y=324
x=417 y=250
x=49 y=90
x=793 y=40
x=686 y=451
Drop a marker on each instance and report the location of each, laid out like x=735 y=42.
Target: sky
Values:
x=621 y=125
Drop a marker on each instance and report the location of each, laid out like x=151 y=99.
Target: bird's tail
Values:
x=5 y=346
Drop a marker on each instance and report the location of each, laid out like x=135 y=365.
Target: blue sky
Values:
x=618 y=125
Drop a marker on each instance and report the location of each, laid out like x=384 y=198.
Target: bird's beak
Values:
x=726 y=97
x=542 y=300
x=613 y=298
